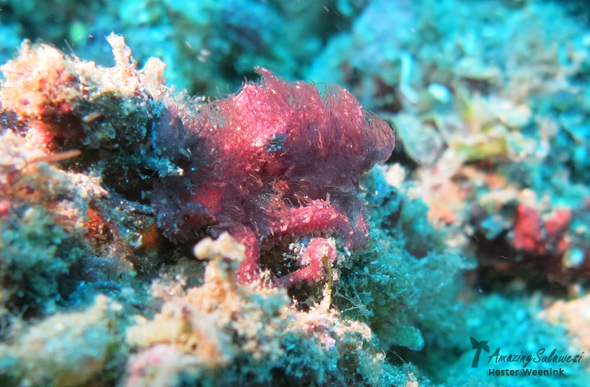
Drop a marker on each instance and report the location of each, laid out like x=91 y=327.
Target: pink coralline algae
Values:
x=533 y=235
x=276 y=162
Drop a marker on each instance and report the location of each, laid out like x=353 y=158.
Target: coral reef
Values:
x=484 y=124
x=222 y=332
x=206 y=44
x=67 y=349
x=277 y=165
x=43 y=211
x=267 y=231
x=254 y=172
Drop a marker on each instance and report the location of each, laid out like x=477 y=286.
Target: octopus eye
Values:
x=275 y=142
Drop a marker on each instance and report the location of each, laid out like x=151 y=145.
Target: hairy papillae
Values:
x=277 y=161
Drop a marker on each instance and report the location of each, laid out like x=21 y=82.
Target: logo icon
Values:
x=478 y=346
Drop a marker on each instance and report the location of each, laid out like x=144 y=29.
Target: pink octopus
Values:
x=276 y=161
